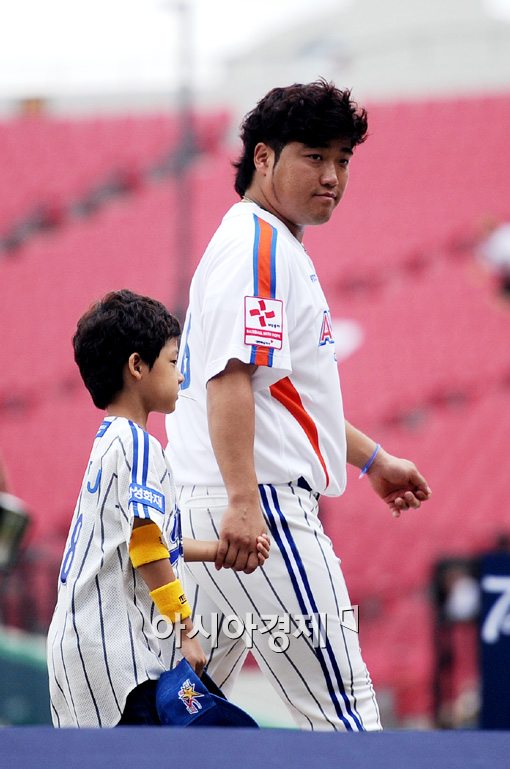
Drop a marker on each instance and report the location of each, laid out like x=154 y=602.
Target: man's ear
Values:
x=263 y=157
x=134 y=365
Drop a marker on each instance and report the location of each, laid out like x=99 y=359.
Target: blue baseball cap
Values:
x=184 y=699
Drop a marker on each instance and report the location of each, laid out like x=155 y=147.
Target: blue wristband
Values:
x=370 y=462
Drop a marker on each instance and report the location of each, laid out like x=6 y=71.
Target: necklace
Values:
x=246 y=199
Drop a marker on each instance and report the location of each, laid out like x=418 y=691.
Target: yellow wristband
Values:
x=171 y=601
x=146 y=545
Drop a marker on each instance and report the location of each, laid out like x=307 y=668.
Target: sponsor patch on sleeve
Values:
x=263 y=322
x=146 y=496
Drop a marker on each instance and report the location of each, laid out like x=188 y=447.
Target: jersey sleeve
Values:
x=141 y=475
x=244 y=303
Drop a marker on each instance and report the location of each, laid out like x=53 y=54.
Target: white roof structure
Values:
x=383 y=49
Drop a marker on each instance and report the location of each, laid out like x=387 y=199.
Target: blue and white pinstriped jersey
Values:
x=101 y=643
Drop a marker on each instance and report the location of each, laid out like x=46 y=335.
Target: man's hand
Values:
x=231 y=415
x=398 y=482
x=238 y=547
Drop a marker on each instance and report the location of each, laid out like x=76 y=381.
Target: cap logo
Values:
x=189 y=697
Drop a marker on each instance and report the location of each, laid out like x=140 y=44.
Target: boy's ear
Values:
x=134 y=365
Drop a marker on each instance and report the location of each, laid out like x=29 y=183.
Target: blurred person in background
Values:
x=493 y=251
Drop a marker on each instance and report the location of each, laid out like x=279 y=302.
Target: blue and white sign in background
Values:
x=495 y=641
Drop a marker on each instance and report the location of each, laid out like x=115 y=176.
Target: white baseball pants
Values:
x=295 y=611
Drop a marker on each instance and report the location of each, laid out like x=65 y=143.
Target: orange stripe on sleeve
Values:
x=264 y=260
x=262 y=356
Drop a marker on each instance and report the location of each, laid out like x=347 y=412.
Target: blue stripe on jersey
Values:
x=134 y=465
x=145 y=467
x=256 y=256
x=145 y=458
x=302 y=572
x=144 y=513
x=273 y=263
x=275 y=533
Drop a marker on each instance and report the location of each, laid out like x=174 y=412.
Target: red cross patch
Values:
x=263 y=322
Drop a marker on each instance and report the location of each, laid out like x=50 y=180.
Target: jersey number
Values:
x=497 y=621
x=71 y=550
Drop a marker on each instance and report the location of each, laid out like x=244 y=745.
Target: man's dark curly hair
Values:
x=116 y=326
x=314 y=114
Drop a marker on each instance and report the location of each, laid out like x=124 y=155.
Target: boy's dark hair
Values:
x=116 y=326
x=314 y=114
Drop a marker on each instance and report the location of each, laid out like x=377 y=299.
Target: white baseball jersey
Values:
x=256 y=297
x=101 y=643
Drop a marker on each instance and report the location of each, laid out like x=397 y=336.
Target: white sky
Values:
x=116 y=45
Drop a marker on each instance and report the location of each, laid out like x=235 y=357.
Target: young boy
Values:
x=121 y=563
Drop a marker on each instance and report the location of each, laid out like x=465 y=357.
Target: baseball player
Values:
x=261 y=432
x=121 y=565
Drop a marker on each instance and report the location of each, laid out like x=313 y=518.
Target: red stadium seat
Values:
x=430 y=381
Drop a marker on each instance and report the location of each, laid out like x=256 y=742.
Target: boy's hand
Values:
x=191 y=649
x=263 y=547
